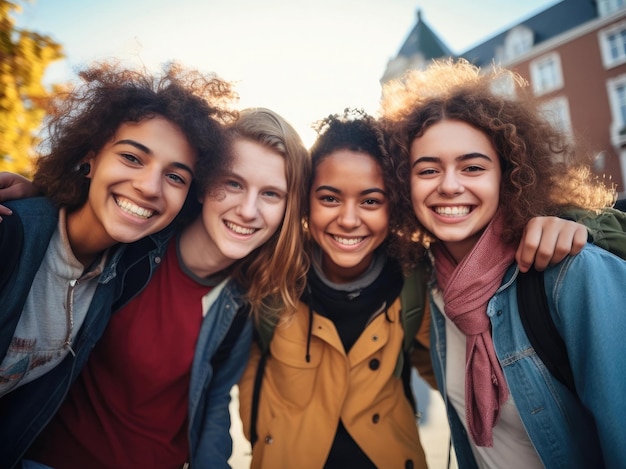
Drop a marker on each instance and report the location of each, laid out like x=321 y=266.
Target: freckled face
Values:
x=455 y=183
x=249 y=204
x=139 y=182
x=349 y=213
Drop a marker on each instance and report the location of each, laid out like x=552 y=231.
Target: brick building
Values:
x=573 y=54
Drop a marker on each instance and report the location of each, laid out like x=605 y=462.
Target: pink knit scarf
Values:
x=467 y=288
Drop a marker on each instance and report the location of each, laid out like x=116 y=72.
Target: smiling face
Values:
x=455 y=183
x=349 y=213
x=249 y=203
x=139 y=182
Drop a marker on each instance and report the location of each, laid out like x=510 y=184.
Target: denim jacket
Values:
x=587 y=301
x=25 y=411
x=209 y=391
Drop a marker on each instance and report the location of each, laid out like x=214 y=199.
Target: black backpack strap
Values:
x=230 y=339
x=406 y=380
x=256 y=395
x=540 y=328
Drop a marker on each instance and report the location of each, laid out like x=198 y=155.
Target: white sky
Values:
x=303 y=59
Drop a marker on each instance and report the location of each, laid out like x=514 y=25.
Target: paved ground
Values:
x=433 y=429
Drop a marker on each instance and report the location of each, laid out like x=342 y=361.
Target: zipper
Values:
x=70 y=315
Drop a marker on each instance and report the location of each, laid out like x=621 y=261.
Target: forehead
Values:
x=451 y=137
x=264 y=165
x=349 y=165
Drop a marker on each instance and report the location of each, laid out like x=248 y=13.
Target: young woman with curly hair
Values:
x=479 y=164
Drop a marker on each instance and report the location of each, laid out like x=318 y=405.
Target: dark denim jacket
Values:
x=27 y=410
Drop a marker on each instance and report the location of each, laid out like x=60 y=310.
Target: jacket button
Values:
x=374 y=364
x=408 y=464
x=268 y=440
x=375 y=418
x=157 y=260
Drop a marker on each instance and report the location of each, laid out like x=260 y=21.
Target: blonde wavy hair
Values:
x=274 y=275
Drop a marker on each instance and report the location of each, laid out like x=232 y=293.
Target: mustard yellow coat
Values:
x=301 y=403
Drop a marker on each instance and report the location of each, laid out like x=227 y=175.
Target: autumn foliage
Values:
x=24 y=57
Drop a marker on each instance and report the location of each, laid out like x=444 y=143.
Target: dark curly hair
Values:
x=543 y=171
x=357 y=131
x=84 y=119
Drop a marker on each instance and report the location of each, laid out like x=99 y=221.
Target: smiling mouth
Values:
x=242 y=230
x=458 y=211
x=347 y=241
x=133 y=209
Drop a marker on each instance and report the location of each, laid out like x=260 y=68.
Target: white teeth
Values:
x=453 y=211
x=239 y=229
x=347 y=241
x=129 y=207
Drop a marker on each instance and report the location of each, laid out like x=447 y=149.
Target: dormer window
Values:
x=518 y=41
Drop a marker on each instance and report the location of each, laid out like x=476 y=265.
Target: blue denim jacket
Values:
x=27 y=410
x=587 y=300
x=209 y=391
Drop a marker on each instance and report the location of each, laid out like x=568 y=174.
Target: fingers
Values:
x=4 y=211
x=15 y=186
x=548 y=240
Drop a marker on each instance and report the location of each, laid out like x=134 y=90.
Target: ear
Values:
x=88 y=163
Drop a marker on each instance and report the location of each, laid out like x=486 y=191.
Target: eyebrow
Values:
x=436 y=159
x=141 y=147
x=337 y=191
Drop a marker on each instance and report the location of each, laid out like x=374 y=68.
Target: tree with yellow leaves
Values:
x=24 y=56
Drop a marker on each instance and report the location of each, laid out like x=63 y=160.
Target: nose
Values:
x=450 y=184
x=247 y=208
x=149 y=183
x=348 y=216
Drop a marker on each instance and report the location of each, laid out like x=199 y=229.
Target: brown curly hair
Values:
x=84 y=119
x=357 y=131
x=543 y=171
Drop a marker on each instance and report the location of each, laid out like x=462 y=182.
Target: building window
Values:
x=616 y=88
x=613 y=45
x=517 y=42
x=556 y=111
x=546 y=74
x=606 y=7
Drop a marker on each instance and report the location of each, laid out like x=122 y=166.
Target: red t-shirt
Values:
x=128 y=408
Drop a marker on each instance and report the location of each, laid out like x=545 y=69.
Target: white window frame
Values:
x=537 y=77
x=604 y=36
x=606 y=7
x=518 y=41
x=616 y=90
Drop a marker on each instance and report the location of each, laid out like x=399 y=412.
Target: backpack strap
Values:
x=412 y=297
x=230 y=339
x=263 y=333
x=540 y=328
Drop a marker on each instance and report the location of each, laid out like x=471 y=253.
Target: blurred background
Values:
x=309 y=59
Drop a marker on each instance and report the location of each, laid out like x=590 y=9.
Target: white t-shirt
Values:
x=512 y=447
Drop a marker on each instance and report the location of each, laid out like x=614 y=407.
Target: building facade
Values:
x=573 y=55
